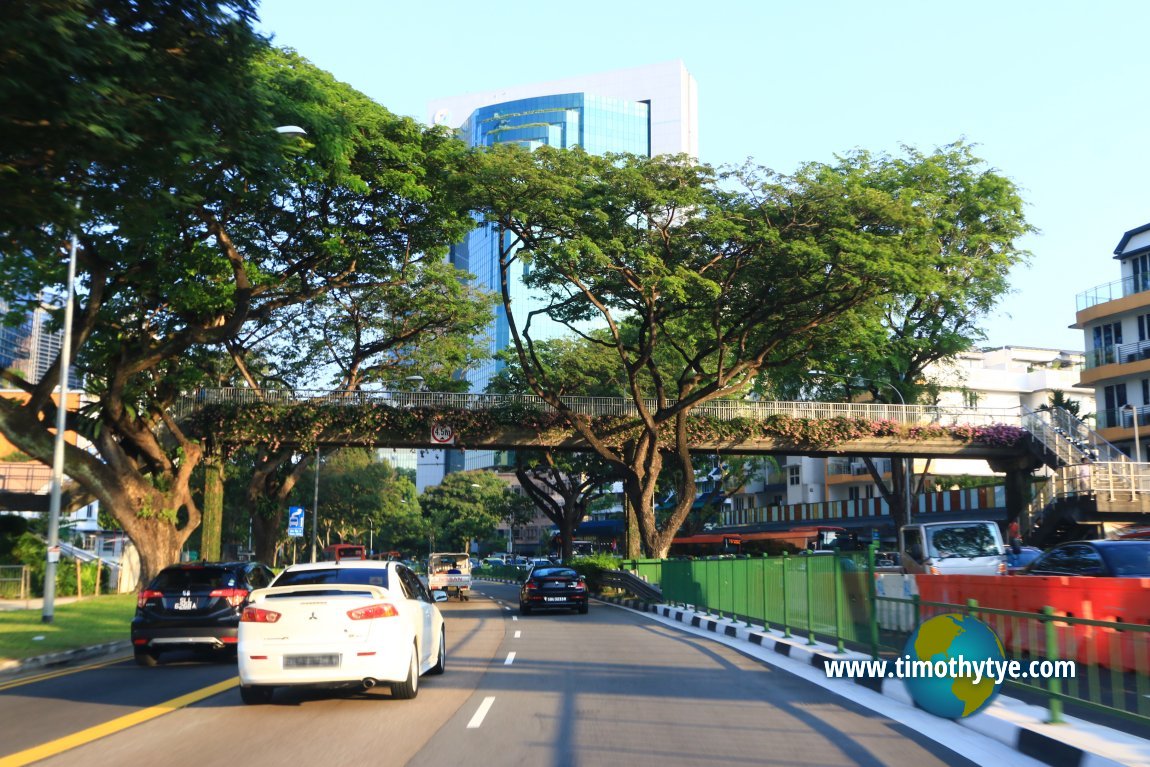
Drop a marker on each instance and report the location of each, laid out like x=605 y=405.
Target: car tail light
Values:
x=235 y=597
x=381 y=610
x=579 y=585
x=144 y=596
x=258 y=615
x=531 y=585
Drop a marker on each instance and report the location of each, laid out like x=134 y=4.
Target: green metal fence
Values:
x=832 y=597
x=827 y=595
x=1111 y=660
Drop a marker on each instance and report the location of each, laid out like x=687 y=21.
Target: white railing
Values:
x=600 y=406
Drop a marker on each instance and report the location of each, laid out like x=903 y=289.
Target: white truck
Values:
x=952 y=548
x=450 y=572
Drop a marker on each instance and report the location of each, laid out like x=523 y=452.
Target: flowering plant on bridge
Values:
x=358 y=422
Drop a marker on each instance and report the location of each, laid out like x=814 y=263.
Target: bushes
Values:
x=593 y=566
x=31 y=551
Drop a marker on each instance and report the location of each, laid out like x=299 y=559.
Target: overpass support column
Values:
x=1017 y=493
x=212 y=520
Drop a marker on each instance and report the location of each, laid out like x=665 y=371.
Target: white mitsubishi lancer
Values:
x=340 y=624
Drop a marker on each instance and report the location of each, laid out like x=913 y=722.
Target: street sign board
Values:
x=295 y=521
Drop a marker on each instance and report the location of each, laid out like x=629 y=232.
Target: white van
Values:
x=952 y=548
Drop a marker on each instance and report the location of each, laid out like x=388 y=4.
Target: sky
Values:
x=1052 y=95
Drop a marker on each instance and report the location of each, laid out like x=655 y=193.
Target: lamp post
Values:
x=1137 y=441
x=53 y=553
x=315 y=509
x=908 y=462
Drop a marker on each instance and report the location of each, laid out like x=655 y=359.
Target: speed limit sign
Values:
x=442 y=434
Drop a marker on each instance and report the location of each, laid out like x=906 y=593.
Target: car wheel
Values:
x=147 y=658
x=441 y=664
x=583 y=609
x=408 y=688
x=255 y=695
x=524 y=609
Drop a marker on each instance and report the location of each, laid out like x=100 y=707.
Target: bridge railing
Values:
x=601 y=406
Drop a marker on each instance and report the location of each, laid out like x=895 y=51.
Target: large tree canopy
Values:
x=967 y=225
x=236 y=227
x=724 y=276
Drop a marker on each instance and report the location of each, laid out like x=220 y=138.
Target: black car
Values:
x=552 y=588
x=1107 y=559
x=194 y=606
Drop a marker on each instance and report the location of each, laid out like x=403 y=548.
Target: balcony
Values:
x=1112 y=291
x=1130 y=294
x=1118 y=354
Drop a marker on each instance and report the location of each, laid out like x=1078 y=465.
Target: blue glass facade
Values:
x=599 y=125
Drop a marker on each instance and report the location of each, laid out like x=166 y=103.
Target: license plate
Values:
x=555 y=599
x=184 y=604
x=310 y=661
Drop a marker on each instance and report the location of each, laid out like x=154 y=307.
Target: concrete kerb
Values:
x=62 y=658
x=1018 y=725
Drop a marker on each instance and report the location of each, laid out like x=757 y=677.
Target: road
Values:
x=611 y=687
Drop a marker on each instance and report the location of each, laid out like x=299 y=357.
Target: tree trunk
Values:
x=211 y=530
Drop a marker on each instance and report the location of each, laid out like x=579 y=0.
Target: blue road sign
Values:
x=295 y=521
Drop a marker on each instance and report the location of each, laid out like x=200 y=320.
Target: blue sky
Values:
x=1052 y=94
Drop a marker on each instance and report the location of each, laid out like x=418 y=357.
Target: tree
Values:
x=466 y=506
x=360 y=495
x=564 y=486
x=720 y=282
x=220 y=225
x=967 y=224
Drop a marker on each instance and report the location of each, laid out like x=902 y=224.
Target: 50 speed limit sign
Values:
x=442 y=434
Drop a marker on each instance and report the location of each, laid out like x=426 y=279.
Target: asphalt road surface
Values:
x=559 y=689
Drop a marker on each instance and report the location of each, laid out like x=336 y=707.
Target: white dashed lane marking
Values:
x=480 y=713
x=510 y=659
x=518 y=634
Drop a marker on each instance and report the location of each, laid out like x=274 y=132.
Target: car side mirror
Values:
x=915 y=552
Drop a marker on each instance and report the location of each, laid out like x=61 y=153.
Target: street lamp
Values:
x=909 y=462
x=1137 y=441
x=53 y=553
x=315 y=509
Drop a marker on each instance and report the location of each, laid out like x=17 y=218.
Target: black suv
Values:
x=194 y=606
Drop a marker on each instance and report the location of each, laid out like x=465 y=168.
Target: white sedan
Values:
x=345 y=623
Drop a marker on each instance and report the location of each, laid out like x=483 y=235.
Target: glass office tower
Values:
x=646 y=110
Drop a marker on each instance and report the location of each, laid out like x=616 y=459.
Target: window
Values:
x=1141 y=265
x=1106 y=337
x=852 y=493
x=793 y=476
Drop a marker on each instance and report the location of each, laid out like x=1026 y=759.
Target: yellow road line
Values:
x=60 y=745
x=58 y=672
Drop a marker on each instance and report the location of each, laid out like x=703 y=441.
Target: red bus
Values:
x=338 y=551
x=771 y=542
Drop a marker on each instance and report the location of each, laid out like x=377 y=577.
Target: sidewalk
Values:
x=1012 y=722
x=32 y=603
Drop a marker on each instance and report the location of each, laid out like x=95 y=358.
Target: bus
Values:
x=338 y=551
x=769 y=542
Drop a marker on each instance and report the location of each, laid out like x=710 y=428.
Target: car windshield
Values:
x=1128 y=560
x=554 y=572
x=194 y=579
x=358 y=576
x=964 y=541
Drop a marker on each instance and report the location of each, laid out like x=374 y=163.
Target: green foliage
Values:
x=593 y=567
x=31 y=550
x=12 y=527
x=466 y=506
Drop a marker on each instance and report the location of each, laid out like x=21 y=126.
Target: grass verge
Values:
x=91 y=621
